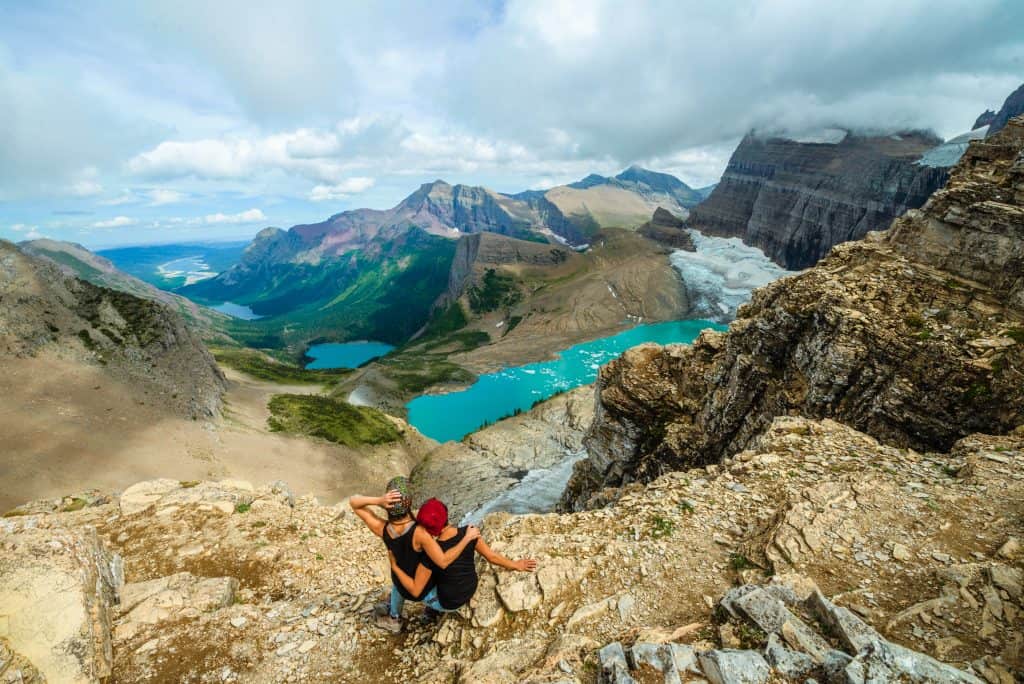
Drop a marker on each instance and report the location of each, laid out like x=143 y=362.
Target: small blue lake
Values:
x=345 y=354
x=494 y=395
x=236 y=311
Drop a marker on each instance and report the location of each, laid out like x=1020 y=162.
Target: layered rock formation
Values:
x=42 y=310
x=1013 y=106
x=796 y=200
x=914 y=336
x=224 y=581
x=668 y=229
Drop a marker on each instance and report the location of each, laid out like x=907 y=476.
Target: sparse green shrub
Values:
x=661 y=527
x=914 y=321
x=737 y=561
x=242 y=507
x=330 y=419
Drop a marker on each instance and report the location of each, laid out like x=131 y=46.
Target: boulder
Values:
x=787 y=662
x=728 y=666
x=882 y=661
x=56 y=589
x=614 y=666
x=142 y=495
x=659 y=657
x=854 y=633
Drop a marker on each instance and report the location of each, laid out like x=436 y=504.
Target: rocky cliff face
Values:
x=796 y=200
x=914 y=336
x=920 y=555
x=1013 y=106
x=44 y=310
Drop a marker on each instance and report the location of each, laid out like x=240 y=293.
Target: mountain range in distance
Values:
x=380 y=273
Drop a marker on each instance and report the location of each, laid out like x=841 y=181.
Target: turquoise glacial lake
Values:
x=345 y=354
x=454 y=415
x=237 y=311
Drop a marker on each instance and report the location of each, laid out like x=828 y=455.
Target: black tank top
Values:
x=407 y=559
x=456 y=584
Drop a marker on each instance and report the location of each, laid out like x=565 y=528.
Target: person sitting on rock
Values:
x=453 y=584
x=404 y=548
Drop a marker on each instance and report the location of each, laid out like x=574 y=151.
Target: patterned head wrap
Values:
x=404 y=507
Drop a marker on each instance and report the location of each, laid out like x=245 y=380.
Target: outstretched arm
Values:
x=495 y=558
x=443 y=559
x=359 y=505
x=413 y=585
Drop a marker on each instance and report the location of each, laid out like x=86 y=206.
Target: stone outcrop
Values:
x=57 y=586
x=796 y=200
x=1013 y=106
x=145 y=342
x=793 y=651
x=668 y=229
x=914 y=336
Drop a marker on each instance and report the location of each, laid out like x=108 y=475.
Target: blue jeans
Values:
x=432 y=601
x=397 y=602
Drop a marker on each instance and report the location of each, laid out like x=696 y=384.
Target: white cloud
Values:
x=161 y=196
x=116 y=222
x=126 y=197
x=248 y=216
x=350 y=186
x=21 y=227
x=34 y=234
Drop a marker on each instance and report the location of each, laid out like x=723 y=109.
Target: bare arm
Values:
x=413 y=586
x=443 y=559
x=495 y=558
x=359 y=507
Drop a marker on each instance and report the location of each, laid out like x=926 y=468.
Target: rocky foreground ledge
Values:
x=723 y=570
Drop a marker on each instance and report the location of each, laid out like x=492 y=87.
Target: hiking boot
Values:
x=389 y=623
x=429 y=616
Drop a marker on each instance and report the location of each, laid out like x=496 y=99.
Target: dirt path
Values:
x=67 y=427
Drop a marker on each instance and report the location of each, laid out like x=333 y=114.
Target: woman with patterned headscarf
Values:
x=401 y=543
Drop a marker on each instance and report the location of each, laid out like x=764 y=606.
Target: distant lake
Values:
x=494 y=395
x=345 y=354
x=237 y=311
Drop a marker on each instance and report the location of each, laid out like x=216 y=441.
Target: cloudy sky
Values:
x=147 y=122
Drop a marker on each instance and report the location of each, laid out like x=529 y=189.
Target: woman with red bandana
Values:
x=455 y=583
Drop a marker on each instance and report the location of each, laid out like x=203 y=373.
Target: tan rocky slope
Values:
x=135 y=340
x=223 y=582
x=915 y=337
